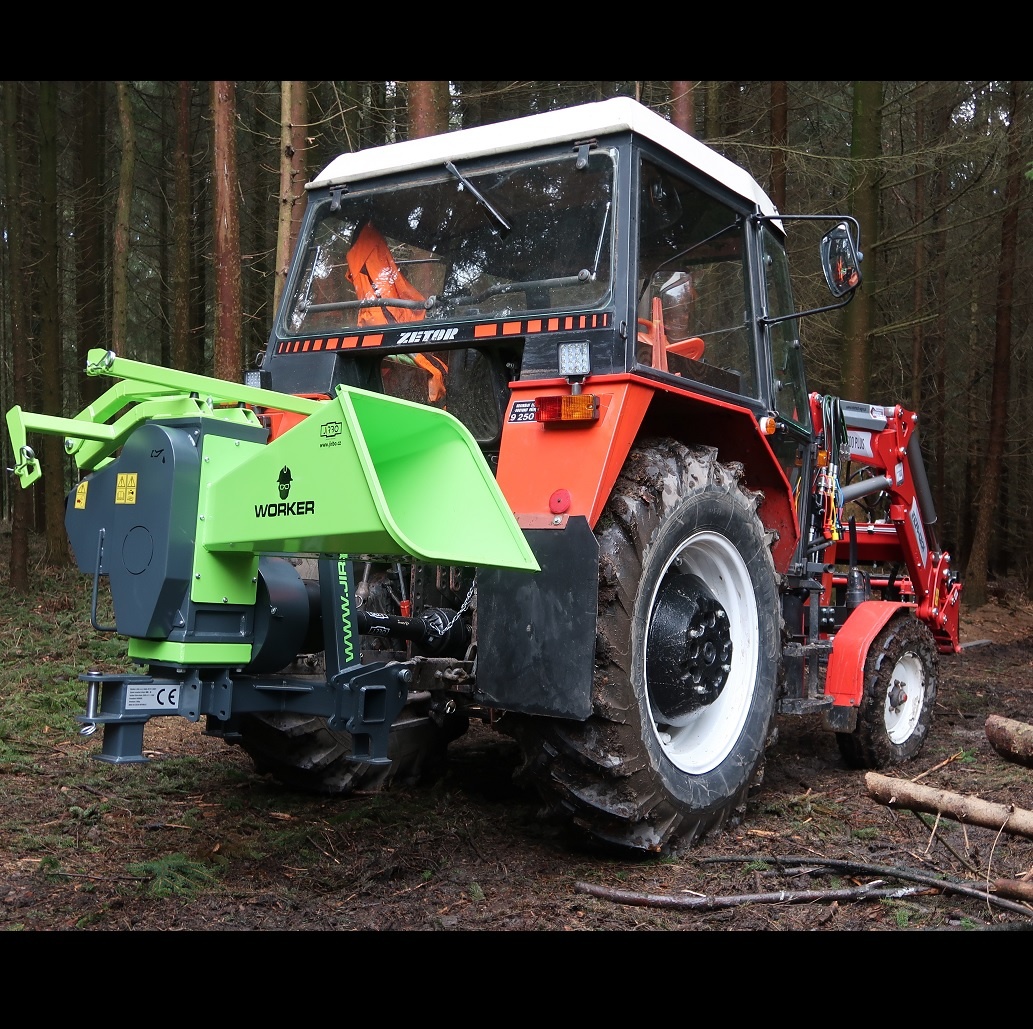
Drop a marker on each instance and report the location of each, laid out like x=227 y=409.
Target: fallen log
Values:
x=1017 y=889
x=970 y=810
x=1011 y=739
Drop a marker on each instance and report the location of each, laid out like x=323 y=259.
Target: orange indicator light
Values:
x=584 y=407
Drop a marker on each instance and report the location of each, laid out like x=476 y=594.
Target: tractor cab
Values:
x=584 y=242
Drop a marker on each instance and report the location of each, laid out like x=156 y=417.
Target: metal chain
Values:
x=462 y=607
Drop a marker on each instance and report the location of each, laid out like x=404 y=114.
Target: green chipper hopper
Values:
x=191 y=506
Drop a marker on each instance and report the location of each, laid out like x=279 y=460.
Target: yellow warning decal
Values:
x=125 y=488
x=80 y=495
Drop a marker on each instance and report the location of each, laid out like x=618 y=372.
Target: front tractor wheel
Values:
x=896 y=710
x=687 y=651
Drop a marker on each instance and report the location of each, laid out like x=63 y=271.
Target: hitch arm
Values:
x=93 y=435
x=220 y=391
x=20 y=422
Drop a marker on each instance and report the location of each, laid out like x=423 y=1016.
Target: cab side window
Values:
x=788 y=388
x=692 y=303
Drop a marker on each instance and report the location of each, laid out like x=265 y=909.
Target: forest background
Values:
x=156 y=219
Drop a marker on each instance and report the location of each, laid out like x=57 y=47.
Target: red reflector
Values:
x=584 y=407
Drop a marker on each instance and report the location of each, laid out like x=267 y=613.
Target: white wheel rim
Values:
x=712 y=732
x=902 y=718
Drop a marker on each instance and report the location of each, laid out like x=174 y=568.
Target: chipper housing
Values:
x=187 y=501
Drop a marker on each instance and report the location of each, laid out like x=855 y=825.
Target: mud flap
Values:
x=537 y=632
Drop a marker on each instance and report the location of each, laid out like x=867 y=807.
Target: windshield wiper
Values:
x=504 y=227
x=382 y=302
x=584 y=276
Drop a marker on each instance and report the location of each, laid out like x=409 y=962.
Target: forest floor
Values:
x=195 y=840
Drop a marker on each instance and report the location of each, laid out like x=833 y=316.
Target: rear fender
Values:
x=550 y=472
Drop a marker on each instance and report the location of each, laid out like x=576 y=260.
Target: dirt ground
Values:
x=196 y=841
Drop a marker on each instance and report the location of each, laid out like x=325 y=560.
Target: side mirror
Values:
x=840 y=260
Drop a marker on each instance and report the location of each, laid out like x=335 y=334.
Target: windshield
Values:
x=461 y=243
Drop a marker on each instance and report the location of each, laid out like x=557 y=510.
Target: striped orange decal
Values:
x=486 y=330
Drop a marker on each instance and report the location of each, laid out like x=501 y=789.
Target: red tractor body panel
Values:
x=535 y=458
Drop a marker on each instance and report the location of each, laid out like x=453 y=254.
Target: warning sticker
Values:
x=125 y=488
x=80 y=495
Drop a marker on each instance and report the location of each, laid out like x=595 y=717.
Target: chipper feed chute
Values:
x=360 y=474
x=367 y=474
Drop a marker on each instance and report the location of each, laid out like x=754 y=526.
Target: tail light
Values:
x=579 y=407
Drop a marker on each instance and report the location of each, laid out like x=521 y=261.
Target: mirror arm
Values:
x=804 y=314
x=813 y=218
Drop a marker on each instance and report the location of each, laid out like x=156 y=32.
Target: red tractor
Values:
x=600 y=305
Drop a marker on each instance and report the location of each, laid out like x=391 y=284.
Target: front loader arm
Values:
x=883 y=442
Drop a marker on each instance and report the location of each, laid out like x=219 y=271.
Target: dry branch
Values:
x=707 y=903
x=1011 y=739
x=970 y=810
x=886 y=871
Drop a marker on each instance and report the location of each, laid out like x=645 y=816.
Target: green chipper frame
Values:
x=191 y=506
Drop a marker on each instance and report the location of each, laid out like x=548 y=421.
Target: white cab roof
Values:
x=567 y=125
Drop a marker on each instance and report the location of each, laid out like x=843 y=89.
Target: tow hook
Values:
x=897 y=695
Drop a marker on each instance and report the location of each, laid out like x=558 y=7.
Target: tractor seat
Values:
x=651 y=334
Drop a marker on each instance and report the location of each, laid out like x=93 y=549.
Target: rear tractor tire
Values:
x=896 y=710
x=687 y=660
x=302 y=752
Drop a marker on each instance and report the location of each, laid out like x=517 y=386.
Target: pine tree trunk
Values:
x=56 y=541
x=865 y=151
x=123 y=210
x=987 y=498
x=779 y=141
x=89 y=236
x=228 y=360
x=182 y=353
x=21 y=500
x=428 y=109
x=683 y=107
x=293 y=126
